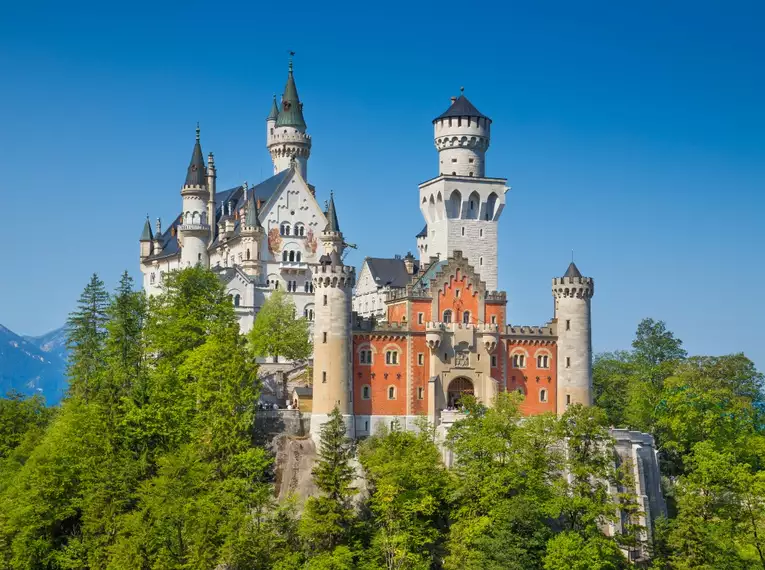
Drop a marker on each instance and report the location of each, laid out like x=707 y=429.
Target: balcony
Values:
x=293 y=266
x=194 y=227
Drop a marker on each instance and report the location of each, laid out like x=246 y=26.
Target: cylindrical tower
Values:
x=572 y=294
x=287 y=139
x=462 y=135
x=194 y=227
x=332 y=367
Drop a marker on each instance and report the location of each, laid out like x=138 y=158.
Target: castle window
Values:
x=306 y=286
x=494 y=319
x=466 y=318
x=366 y=425
x=568 y=325
x=543 y=395
x=151 y=279
x=248 y=254
x=480 y=261
x=454 y=174
x=325 y=300
x=323 y=377
x=292 y=256
x=454 y=160
x=391 y=357
x=463 y=230
x=284 y=229
x=391 y=396
x=519 y=360
x=276 y=284
x=420 y=359
x=543 y=361
x=568 y=399
x=568 y=362
x=365 y=357
x=237 y=300
x=420 y=393
x=459 y=121
x=366 y=392
x=493 y=360
x=297 y=257
x=480 y=232
x=285 y=256
x=420 y=318
x=447 y=318
x=471 y=160
x=324 y=337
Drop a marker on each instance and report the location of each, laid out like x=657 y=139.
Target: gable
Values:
x=365 y=283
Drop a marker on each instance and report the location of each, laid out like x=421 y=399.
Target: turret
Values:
x=252 y=234
x=332 y=370
x=461 y=206
x=462 y=134
x=157 y=244
x=146 y=238
x=194 y=228
x=287 y=138
x=572 y=294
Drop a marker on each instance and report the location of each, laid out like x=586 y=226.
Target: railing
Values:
x=293 y=265
x=194 y=227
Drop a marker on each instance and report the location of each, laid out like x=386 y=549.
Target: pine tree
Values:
x=328 y=519
x=86 y=337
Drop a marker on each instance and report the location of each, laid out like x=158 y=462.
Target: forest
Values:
x=150 y=460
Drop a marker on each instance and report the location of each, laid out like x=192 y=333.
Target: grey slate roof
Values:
x=146 y=234
x=274 y=114
x=390 y=272
x=196 y=174
x=332 y=224
x=424 y=232
x=251 y=216
x=572 y=271
x=303 y=391
x=461 y=108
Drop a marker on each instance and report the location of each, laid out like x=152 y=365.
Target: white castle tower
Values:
x=461 y=205
x=286 y=136
x=572 y=294
x=194 y=229
x=252 y=234
x=332 y=367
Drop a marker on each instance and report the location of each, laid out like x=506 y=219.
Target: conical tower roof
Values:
x=332 y=224
x=461 y=107
x=146 y=234
x=274 y=114
x=196 y=174
x=572 y=271
x=291 y=113
x=251 y=215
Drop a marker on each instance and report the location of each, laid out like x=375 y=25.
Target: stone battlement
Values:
x=547 y=330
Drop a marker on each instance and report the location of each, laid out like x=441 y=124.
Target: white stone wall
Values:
x=462 y=144
x=368 y=299
x=572 y=309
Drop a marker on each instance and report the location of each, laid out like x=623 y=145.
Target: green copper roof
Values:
x=291 y=114
x=251 y=215
x=332 y=224
x=196 y=174
x=146 y=234
x=274 y=114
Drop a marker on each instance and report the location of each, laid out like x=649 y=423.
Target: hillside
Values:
x=33 y=365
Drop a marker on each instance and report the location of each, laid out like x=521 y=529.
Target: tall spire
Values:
x=332 y=224
x=291 y=113
x=196 y=174
x=146 y=235
x=251 y=215
x=274 y=114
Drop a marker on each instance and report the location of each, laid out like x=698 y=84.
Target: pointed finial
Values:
x=462 y=90
x=292 y=54
x=197 y=131
x=572 y=256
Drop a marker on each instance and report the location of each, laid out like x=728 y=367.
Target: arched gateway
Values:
x=458 y=388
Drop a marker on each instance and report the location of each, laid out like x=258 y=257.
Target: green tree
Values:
x=328 y=519
x=124 y=341
x=277 y=332
x=86 y=328
x=18 y=415
x=409 y=487
x=570 y=551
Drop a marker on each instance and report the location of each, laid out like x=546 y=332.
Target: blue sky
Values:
x=632 y=133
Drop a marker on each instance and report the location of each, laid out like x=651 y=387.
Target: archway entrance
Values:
x=458 y=388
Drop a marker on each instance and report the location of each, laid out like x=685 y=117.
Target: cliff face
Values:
x=295 y=458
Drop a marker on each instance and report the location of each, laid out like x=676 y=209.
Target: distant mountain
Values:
x=33 y=365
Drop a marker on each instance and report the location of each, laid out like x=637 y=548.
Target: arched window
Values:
x=248 y=254
x=466 y=317
x=284 y=229
x=366 y=392
x=447 y=316
x=474 y=203
x=543 y=395
x=285 y=255
x=237 y=300
x=391 y=357
x=306 y=286
x=292 y=256
x=491 y=206
x=391 y=392
x=519 y=361
x=297 y=256
x=543 y=361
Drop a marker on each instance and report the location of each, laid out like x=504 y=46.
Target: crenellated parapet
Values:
x=577 y=287
x=547 y=332
x=342 y=276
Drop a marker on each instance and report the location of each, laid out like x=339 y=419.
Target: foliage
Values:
x=277 y=332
